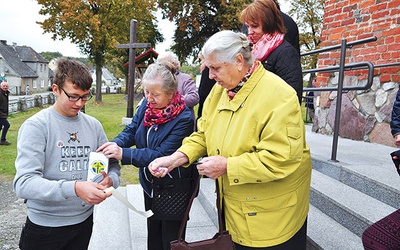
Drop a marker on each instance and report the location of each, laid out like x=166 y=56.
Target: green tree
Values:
x=308 y=15
x=50 y=55
x=197 y=20
x=98 y=26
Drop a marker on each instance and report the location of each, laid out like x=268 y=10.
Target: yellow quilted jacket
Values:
x=261 y=133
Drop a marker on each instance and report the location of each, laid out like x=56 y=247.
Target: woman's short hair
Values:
x=226 y=44
x=170 y=57
x=164 y=72
x=74 y=71
x=266 y=12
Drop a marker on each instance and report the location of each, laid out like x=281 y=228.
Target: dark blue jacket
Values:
x=151 y=143
x=395 y=123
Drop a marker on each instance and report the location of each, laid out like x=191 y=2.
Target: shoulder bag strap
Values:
x=186 y=216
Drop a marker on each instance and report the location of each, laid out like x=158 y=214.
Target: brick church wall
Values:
x=365 y=114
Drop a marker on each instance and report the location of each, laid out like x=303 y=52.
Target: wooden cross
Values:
x=132 y=46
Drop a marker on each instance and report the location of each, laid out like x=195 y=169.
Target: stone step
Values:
x=380 y=181
x=350 y=207
x=117 y=227
x=326 y=233
x=111 y=228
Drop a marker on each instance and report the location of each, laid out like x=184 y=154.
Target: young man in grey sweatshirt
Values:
x=52 y=166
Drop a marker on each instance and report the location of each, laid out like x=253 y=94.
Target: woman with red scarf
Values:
x=157 y=129
x=266 y=32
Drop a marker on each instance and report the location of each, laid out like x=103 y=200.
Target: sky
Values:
x=18 y=25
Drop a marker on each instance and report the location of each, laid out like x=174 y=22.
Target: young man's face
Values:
x=63 y=104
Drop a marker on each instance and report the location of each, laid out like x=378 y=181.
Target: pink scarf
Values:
x=266 y=45
x=160 y=116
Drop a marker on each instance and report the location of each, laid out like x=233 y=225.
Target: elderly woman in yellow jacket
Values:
x=254 y=137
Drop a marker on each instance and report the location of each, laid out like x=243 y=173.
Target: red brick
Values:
x=378 y=7
x=348 y=21
x=391 y=32
x=366 y=18
x=341 y=4
x=349 y=8
x=328 y=19
x=394 y=4
x=372 y=57
x=389 y=40
x=333 y=12
x=385 y=78
x=396 y=78
x=381 y=14
x=391 y=70
x=395 y=12
x=336 y=37
x=341 y=16
x=386 y=56
x=366 y=4
x=394 y=47
x=381 y=48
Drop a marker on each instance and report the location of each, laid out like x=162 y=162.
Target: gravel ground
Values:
x=12 y=216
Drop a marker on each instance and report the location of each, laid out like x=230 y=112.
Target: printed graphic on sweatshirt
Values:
x=73 y=137
x=74 y=157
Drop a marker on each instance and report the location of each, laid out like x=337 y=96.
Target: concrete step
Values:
x=350 y=207
x=380 y=181
x=328 y=234
x=111 y=229
x=117 y=227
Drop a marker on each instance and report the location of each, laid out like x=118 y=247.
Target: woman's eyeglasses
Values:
x=75 y=98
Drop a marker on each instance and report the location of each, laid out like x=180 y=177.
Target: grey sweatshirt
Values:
x=53 y=152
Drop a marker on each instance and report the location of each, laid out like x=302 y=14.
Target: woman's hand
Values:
x=397 y=140
x=111 y=150
x=160 y=167
x=213 y=166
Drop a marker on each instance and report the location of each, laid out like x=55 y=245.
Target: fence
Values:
x=24 y=103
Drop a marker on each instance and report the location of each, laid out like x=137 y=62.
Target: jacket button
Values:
x=236 y=181
x=217 y=151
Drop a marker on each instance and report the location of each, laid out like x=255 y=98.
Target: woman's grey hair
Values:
x=164 y=72
x=226 y=44
x=170 y=57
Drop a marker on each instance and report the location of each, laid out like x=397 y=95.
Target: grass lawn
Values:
x=109 y=113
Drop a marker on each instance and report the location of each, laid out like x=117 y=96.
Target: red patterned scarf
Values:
x=266 y=45
x=161 y=116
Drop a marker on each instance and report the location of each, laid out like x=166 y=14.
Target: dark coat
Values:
x=206 y=84
x=292 y=31
x=4 y=103
x=284 y=61
x=395 y=122
x=151 y=143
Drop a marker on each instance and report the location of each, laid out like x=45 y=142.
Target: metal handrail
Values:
x=341 y=68
x=347 y=67
x=350 y=45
